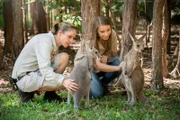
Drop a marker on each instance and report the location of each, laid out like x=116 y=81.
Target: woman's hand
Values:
x=121 y=65
x=70 y=85
x=104 y=59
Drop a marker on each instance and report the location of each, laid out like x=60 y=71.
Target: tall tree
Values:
x=89 y=10
x=165 y=35
x=8 y=26
x=18 y=41
x=25 y=22
x=157 y=79
x=176 y=71
x=129 y=25
x=1 y=58
x=38 y=16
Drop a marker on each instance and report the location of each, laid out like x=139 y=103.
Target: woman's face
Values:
x=66 y=38
x=104 y=31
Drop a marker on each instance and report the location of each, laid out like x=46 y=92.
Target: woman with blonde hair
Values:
x=40 y=68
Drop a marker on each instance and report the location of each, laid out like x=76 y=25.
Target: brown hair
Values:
x=102 y=20
x=64 y=26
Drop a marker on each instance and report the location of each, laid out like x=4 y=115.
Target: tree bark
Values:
x=8 y=26
x=25 y=15
x=157 y=79
x=165 y=34
x=48 y=17
x=107 y=8
x=89 y=10
x=38 y=16
x=169 y=3
x=1 y=58
x=129 y=25
x=176 y=71
x=18 y=41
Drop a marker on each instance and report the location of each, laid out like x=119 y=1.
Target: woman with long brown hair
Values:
x=108 y=67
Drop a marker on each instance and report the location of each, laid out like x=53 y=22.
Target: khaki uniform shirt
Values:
x=36 y=55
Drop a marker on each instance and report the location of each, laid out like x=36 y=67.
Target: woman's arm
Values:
x=106 y=68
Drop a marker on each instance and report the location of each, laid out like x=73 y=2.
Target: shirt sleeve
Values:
x=43 y=53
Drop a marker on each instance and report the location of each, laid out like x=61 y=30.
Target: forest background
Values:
x=158 y=19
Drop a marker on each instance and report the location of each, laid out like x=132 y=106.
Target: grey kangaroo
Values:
x=81 y=73
x=132 y=74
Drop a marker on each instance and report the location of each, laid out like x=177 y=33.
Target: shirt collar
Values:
x=52 y=38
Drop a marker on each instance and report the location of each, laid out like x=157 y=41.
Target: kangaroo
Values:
x=132 y=74
x=81 y=73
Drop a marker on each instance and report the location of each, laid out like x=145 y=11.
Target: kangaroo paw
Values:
x=132 y=103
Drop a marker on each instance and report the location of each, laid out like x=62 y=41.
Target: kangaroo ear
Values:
x=132 y=38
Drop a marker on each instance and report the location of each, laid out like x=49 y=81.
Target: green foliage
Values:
x=73 y=14
x=116 y=6
x=76 y=20
x=162 y=105
x=1 y=22
x=1 y=13
x=177 y=11
x=3 y=1
x=141 y=6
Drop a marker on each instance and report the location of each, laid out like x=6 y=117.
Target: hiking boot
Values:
x=13 y=83
x=52 y=96
x=25 y=96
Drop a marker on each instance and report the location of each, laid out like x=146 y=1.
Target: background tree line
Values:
x=22 y=19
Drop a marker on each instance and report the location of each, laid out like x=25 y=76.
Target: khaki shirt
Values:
x=36 y=55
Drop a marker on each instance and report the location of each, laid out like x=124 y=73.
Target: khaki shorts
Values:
x=35 y=81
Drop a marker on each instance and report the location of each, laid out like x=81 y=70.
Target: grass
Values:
x=164 y=105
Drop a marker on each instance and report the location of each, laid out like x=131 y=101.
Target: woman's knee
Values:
x=63 y=57
x=60 y=62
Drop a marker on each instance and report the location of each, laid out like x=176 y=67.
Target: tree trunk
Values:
x=129 y=25
x=165 y=34
x=25 y=15
x=8 y=26
x=169 y=2
x=107 y=8
x=38 y=16
x=42 y=22
x=34 y=29
x=157 y=79
x=149 y=27
x=176 y=71
x=1 y=58
x=89 y=10
x=48 y=17
x=18 y=41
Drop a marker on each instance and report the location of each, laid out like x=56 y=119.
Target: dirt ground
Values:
x=5 y=86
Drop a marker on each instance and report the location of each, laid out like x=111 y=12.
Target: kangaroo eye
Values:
x=138 y=45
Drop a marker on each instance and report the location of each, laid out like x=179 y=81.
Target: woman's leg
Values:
x=96 y=89
x=109 y=76
x=60 y=62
